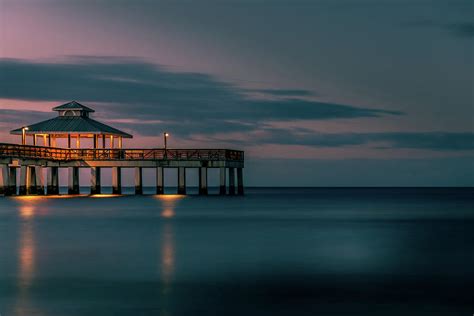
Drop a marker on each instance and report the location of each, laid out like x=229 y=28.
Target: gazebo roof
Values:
x=73 y=105
x=62 y=125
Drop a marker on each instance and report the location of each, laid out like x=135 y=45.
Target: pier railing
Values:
x=66 y=154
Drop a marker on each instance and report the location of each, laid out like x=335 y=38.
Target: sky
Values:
x=317 y=93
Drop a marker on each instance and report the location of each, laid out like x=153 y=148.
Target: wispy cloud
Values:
x=185 y=102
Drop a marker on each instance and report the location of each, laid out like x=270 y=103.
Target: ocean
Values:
x=274 y=251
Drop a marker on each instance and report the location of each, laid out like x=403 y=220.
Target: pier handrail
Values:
x=68 y=154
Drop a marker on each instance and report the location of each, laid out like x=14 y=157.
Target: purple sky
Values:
x=355 y=92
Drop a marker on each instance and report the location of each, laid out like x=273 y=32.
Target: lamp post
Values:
x=23 y=135
x=165 y=138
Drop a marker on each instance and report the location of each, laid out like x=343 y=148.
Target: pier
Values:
x=74 y=123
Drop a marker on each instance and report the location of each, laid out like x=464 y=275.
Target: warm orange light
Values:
x=27 y=211
x=169 y=196
x=104 y=195
x=167 y=213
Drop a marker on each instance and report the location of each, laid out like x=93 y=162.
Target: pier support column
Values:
x=53 y=180
x=160 y=181
x=73 y=180
x=23 y=180
x=12 y=181
x=240 y=181
x=138 y=180
x=116 y=180
x=231 y=181
x=203 y=181
x=181 y=180
x=31 y=181
x=95 y=180
x=4 y=179
x=222 y=189
x=39 y=180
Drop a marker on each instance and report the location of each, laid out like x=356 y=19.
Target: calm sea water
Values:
x=271 y=252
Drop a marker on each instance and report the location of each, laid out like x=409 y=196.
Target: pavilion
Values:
x=73 y=122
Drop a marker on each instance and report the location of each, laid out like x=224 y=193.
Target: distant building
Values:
x=73 y=123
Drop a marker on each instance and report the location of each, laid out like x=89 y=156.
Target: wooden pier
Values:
x=73 y=122
x=30 y=160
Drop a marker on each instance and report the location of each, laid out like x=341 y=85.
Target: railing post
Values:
x=160 y=183
x=222 y=189
x=116 y=180
x=181 y=180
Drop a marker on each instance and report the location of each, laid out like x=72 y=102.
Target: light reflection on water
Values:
x=268 y=253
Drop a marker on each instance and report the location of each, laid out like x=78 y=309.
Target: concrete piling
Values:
x=116 y=180
x=203 y=181
x=181 y=180
x=53 y=181
x=231 y=181
x=73 y=180
x=222 y=176
x=95 y=180
x=138 y=180
x=240 y=181
x=39 y=180
x=160 y=183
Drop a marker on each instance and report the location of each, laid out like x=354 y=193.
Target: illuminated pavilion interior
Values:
x=72 y=123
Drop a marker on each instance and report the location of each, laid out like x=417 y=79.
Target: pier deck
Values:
x=31 y=159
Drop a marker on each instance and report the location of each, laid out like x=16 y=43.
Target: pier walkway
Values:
x=31 y=160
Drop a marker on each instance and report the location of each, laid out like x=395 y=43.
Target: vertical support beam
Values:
x=112 y=141
x=31 y=181
x=240 y=181
x=231 y=181
x=73 y=180
x=68 y=140
x=4 y=179
x=103 y=141
x=39 y=180
x=120 y=142
x=23 y=179
x=78 y=141
x=49 y=141
x=53 y=180
x=12 y=181
x=160 y=180
x=203 y=181
x=181 y=180
x=138 y=180
x=45 y=140
x=95 y=180
x=95 y=141
x=34 y=139
x=116 y=180
x=222 y=189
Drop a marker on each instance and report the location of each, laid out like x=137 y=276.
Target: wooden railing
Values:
x=52 y=153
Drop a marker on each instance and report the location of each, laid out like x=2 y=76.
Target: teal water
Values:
x=271 y=252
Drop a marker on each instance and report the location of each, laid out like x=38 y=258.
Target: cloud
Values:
x=439 y=141
x=186 y=102
x=464 y=29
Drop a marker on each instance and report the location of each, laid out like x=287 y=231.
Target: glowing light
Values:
x=27 y=211
x=167 y=213
x=104 y=195
x=169 y=196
